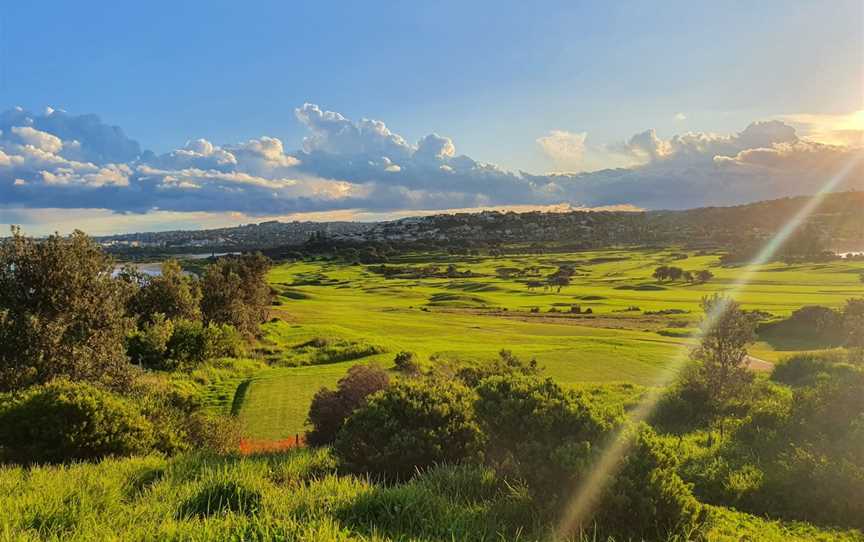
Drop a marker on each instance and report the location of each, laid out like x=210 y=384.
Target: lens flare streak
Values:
x=579 y=510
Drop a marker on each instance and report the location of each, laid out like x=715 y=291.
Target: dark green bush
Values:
x=67 y=421
x=221 y=497
x=329 y=409
x=537 y=432
x=406 y=362
x=409 y=426
x=814 y=324
x=550 y=438
x=806 y=369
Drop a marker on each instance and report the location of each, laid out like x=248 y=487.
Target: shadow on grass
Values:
x=240 y=396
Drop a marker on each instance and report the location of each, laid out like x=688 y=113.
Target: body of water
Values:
x=154 y=268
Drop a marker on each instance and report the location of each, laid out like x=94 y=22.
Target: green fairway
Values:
x=336 y=312
x=276 y=401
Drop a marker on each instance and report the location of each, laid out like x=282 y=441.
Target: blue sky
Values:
x=494 y=77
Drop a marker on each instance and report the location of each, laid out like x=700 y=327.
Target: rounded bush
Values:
x=329 y=408
x=537 y=431
x=408 y=427
x=65 y=421
x=807 y=368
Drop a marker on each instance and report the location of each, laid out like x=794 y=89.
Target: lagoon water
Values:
x=154 y=268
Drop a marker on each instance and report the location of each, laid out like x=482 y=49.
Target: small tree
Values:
x=148 y=345
x=704 y=276
x=727 y=332
x=235 y=291
x=559 y=281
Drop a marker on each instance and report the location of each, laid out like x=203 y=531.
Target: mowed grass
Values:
x=474 y=318
x=277 y=400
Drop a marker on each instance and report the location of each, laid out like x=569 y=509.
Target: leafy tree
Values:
x=235 y=291
x=170 y=293
x=329 y=408
x=726 y=334
x=722 y=375
x=704 y=276
x=61 y=313
x=168 y=345
x=559 y=281
x=661 y=273
x=411 y=425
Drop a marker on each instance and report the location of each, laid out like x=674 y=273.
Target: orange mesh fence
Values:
x=253 y=446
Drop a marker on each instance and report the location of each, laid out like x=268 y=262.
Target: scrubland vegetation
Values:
x=438 y=397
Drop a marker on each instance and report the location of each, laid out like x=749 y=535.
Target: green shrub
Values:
x=169 y=345
x=212 y=432
x=406 y=362
x=67 y=421
x=806 y=369
x=505 y=364
x=409 y=426
x=537 y=432
x=813 y=438
x=329 y=409
x=222 y=341
x=647 y=499
x=148 y=345
x=220 y=497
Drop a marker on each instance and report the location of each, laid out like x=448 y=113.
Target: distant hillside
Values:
x=839 y=221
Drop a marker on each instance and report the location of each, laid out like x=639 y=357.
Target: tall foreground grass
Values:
x=293 y=496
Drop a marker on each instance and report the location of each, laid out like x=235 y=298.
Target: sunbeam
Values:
x=580 y=508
